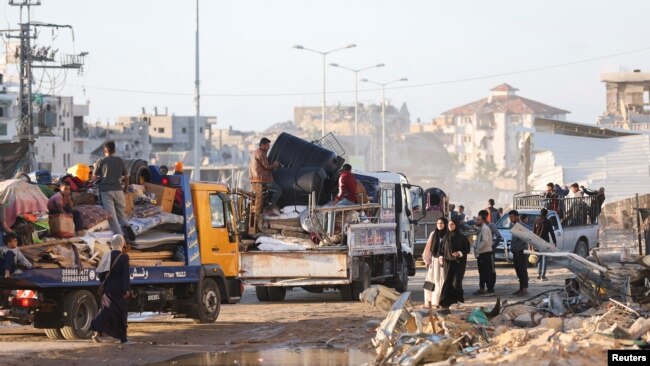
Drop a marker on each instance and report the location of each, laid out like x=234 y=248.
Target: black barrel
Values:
x=138 y=171
x=298 y=183
x=294 y=152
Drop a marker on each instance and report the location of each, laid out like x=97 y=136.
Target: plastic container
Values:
x=81 y=171
x=294 y=152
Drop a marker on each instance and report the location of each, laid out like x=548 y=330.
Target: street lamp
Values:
x=324 y=54
x=356 y=99
x=383 y=116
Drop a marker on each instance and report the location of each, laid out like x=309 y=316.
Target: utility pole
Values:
x=196 y=172
x=27 y=55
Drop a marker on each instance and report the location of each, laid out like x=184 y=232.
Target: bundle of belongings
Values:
x=69 y=229
x=296 y=228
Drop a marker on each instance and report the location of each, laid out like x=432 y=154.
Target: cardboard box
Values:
x=164 y=195
x=129 y=198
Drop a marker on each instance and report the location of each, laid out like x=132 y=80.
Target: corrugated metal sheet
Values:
x=621 y=164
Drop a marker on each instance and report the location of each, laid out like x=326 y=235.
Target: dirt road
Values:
x=302 y=322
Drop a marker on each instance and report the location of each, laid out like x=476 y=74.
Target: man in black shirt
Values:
x=519 y=259
x=112 y=181
x=544 y=229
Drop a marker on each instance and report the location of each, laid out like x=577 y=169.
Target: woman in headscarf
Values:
x=116 y=284
x=434 y=259
x=455 y=247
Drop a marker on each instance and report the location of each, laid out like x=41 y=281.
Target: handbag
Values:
x=100 y=290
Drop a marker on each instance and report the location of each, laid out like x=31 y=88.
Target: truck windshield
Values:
x=527 y=219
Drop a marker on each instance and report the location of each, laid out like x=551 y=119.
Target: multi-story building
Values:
x=8 y=113
x=485 y=136
x=628 y=101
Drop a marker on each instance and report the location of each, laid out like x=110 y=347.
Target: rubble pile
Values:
x=551 y=328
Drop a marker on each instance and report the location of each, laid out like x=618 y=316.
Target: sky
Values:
x=141 y=53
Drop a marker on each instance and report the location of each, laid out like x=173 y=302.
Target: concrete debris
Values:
x=380 y=296
x=541 y=330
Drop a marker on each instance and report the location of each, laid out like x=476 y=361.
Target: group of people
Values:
x=445 y=254
x=111 y=179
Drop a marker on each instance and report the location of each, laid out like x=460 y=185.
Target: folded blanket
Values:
x=91 y=215
x=139 y=225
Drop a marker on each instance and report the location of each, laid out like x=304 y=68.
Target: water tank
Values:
x=294 y=152
x=298 y=183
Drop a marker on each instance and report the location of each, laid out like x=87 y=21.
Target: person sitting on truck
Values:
x=484 y=256
x=434 y=259
x=4 y=228
x=544 y=229
x=262 y=180
x=347 y=187
x=519 y=259
x=115 y=290
x=11 y=256
x=61 y=202
x=456 y=247
x=112 y=180
x=493 y=212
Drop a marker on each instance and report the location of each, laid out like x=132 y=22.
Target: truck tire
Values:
x=402 y=280
x=208 y=302
x=352 y=291
x=276 y=293
x=80 y=307
x=582 y=249
x=54 y=334
x=262 y=293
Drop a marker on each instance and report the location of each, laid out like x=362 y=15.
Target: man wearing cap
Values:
x=261 y=178
x=519 y=259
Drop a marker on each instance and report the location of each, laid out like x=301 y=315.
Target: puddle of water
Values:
x=307 y=356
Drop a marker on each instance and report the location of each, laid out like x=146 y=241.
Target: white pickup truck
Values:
x=575 y=223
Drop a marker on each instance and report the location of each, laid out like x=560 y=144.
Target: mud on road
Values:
x=302 y=321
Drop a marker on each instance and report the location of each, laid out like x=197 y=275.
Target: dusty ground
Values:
x=303 y=320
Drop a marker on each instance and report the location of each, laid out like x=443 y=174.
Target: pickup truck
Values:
x=63 y=301
x=575 y=225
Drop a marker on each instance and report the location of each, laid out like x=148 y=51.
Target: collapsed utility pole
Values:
x=27 y=55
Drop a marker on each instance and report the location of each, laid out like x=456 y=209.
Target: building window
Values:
x=161 y=129
x=184 y=130
x=467 y=139
x=3 y=129
x=467 y=120
x=2 y=111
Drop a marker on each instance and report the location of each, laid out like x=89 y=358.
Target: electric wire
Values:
x=410 y=86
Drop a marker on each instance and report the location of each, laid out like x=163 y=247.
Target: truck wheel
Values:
x=262 y=293
x=582 y=249
x=54 y=334
x=276 y=293
x=81 y=308
x=402 y=281
x=352 y=291
x=209 y=302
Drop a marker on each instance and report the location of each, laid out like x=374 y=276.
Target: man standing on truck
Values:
x=519 y=259
x=261 y=178
x=347 y=187
x=484 y=256
x=112 y=180
x=493 y=213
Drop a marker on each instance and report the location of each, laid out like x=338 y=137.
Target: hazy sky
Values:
x=246 y=49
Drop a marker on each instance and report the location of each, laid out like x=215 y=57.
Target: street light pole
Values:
x=356 y=100
x=324 y=54
x=383 y=116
